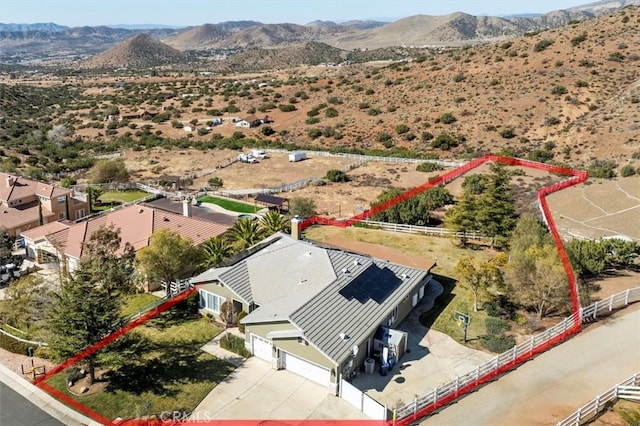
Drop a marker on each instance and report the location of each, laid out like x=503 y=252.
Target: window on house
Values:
x=79 y=214
x=210 y=301
x=60 y=216
x=62 y=199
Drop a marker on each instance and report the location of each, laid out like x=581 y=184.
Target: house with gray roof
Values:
x=315 y=311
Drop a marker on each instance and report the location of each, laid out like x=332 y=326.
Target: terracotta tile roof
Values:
x=13 y=218
x=13 y=188
x=44 y=230
x=137 y=223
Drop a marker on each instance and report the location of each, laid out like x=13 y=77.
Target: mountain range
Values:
x=26 y=42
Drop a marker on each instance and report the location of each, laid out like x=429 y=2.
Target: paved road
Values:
x=16 y=410
x=556 y=383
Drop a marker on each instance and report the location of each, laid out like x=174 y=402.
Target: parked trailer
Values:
x=297 y=156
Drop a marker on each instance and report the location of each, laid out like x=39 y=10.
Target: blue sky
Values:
x=197 y=12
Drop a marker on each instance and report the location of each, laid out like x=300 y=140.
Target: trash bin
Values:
x=384 y=368
x=391 y=361
x=369 y=365
x=30 y=350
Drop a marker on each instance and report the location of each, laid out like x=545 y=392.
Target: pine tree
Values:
x=82 y=314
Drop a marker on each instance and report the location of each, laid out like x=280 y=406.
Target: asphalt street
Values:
x=16 y=410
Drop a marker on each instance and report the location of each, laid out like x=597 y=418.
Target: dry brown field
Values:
x=600 y=208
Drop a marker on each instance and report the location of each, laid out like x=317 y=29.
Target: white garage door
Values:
x=306 y=369
x=261 y=348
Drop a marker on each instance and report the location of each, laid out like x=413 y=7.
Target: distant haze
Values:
x=180 y=13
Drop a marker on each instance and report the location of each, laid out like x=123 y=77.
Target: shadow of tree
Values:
x=448 y=284
x=162 y=367
x=185 y=310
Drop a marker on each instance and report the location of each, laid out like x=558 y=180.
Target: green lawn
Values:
x=136 y=302
x=232 y=205
x=122 y=196
x=164 y=367
x=455 y=298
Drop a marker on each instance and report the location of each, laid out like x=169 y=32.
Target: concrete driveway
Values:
x=433 y=358
x=256 y=391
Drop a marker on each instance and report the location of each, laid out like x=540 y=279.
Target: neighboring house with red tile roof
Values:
x=136 y=222
x=26 y=204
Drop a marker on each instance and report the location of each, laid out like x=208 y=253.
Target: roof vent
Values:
x=345 y=336
x=308 y=253
x=345 y=271
x=356 y=262
x=404 y=276
x=141 y=211
x=166 y=219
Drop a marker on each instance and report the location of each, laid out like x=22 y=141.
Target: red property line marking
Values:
x=578 y=177
x=41 y=381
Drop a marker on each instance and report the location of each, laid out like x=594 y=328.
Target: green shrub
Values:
x=448 y=118
x=337 y=176
x=579 y=39
x=314 y=133
x=428 y=167
x=241 y=315
x=498 y=344
x=627 y=171
x=616 y=57
x=331 y=112
x=402 y=128
x=542 y=45
x=73 y=374
x=234 y=344
x=13 y=345
x=446 y=141
x=603 y=169
x=558 y=90
x=507 y=133
x=495 y=326
x=383 y=137
x=312 y=120
x=426 y=136
x=286 y=107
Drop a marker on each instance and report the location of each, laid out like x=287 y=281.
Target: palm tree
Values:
x=245 y=233
x=273 y=222
x=214 y=251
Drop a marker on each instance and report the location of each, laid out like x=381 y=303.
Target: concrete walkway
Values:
x=214 y=348
x=43 y=400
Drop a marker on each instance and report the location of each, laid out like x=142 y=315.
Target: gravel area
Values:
x=14 y=361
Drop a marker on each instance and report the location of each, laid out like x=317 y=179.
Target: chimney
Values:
x=10 y=181
x=186 y=207
x=296 y=232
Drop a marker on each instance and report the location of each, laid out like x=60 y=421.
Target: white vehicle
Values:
x=247 y=158
x=259 y=153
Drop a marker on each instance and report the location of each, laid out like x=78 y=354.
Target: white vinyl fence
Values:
x=363 y=402
x=427 y=230
x=448 y=392
x=627 y=389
